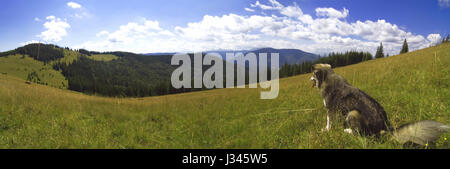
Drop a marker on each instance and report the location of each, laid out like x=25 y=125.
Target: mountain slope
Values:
x=27 y=68
x=411 y=87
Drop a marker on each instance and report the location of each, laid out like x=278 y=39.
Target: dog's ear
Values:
x=321 y=75
x=320 y=66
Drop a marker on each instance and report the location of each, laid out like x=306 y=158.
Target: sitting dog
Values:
x=363 y=114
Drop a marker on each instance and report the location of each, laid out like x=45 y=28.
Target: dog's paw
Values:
x=350 y=131
x=326 y=129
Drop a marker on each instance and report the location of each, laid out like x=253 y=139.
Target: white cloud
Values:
x=434 y=38
x=230 y=27
x=166 y=33
x=444 y=3
x=292 y=11
x=134 y=30
x=288 y=27
x=51 y=17
x=37 y=19
x=73 y=5
x=142 y=36
x=56 y=29
x=80 y=13
x=29 y=42
x=249 y=10
x=331 y=12
x=274 y=5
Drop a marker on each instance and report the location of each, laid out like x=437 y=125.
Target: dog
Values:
x=364 y=115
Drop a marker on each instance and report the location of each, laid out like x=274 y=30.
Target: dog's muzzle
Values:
x=313 y=80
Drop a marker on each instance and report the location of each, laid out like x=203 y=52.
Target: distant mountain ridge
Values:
x=290 y=56
x=287 y=56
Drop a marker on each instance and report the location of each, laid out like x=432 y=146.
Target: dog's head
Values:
x=319 y=74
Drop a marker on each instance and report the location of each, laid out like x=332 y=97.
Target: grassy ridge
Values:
x=21 y=66
x=411 y=87
x=102 y=57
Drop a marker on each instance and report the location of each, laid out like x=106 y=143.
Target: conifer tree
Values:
x=379 y=53
x=404 y=47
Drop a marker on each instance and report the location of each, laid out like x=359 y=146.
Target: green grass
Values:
x=71 y=56
x=21 y=66
x=103 y=57
x=411 y=87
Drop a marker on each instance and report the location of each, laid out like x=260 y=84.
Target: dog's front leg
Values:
x=328 y=127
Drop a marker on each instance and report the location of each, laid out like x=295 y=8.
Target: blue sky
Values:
x=143 y=26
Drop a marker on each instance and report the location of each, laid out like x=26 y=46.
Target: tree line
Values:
x=38 y=51
x=334 y=59
x=380 y=51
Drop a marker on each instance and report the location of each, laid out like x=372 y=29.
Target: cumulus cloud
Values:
x=166 y=33
x=227 y=28
x=288 y=27
x=434 y=38
x=134 y=30
x=80 y=11
x=273 y=5
x=51 y=17
x=55 y=29
x=73 y=5
x=331 y=12
x=29 y=42
x=142 y=36
x=292 y=11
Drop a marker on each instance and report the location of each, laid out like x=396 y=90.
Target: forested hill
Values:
x=120 y=74
x=40 y=52
x=131 y=75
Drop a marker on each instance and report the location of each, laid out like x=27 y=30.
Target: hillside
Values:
x=35 y=63
x=109 y=73
x=411 y=87
x=23 y=66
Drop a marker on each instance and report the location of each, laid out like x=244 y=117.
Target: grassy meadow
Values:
x=21 y=66
x=411 y=87
x=102 y=57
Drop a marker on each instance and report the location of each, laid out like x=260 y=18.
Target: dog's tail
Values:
x=422 y=132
